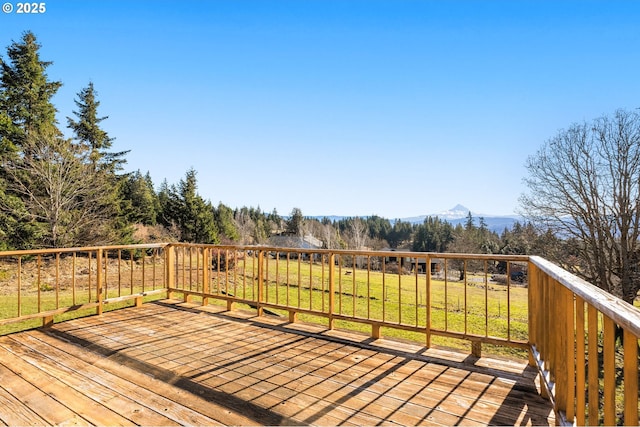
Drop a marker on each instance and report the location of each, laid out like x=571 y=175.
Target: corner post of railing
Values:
x=99 y=279
x=170 y=265
x=261 y=278
x=428 y=301
x=206 y=269
x=332 y=278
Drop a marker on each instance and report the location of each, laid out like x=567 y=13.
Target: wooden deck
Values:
x=169 y=363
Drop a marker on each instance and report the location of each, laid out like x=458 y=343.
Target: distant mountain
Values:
x=457 y=212
x=456 y=215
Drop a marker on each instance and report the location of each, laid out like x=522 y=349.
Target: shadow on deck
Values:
x=170 y=363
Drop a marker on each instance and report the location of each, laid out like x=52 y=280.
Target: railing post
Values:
x=428 y=302
x=332 y=278
x=260 y=282
x=99 y=255
x=532 y=310
x=206 y=269
x=169 y=262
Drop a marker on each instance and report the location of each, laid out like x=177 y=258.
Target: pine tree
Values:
x=87 y=131
x=25 y=94
x=26 y=112
x=226 y=224
x=141 y=201
x=183 y=209
x=93 y=140
x=295 y=223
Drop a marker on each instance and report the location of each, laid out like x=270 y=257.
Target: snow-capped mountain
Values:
x=458 y=215
x=456 y=212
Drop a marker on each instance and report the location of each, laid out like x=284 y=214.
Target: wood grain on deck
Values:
x=174 y=364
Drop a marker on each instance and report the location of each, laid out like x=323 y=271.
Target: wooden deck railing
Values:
x=518 y=302
x=40 y=286
x=572 y=332
x=390 y=290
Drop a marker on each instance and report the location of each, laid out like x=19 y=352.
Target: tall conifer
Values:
x=26 y=111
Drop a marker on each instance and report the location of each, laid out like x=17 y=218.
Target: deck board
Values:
x=170 y=363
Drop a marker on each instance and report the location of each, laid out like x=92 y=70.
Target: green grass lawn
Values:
x=486 y=308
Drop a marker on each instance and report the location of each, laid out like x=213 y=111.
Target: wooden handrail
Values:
x=621 y=312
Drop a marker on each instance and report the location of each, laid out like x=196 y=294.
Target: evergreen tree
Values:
x=433 y=235
x=87 y=131
x=225 y=223
x=399 y=234
x=92 y=139
x=25 y=95
x=295 y=223
x=182 y=207
x=140 y=199
x=25 y=110
x=469 y=224
x=272 y=224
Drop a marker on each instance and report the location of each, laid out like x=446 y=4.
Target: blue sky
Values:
x=395 y=108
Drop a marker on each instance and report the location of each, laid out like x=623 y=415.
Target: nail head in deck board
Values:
x=248 y=370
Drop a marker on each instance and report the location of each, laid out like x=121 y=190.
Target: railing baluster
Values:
x=630 y=379
x=322 y=258
x=339 y=285
x=311 y=256
x=465 y=284
x=354 y=291
x=581 y=386
x=57 y=280
x=446 y=301
x=99 y=280
x=39 y=284
x=266 y=277
x=384 y=290
x=120 y=273
x=332 y=279
x=368 y=287
x=569 y=354
x=593 y=365
x=288 y=280
x=20 y=286
x=415 y=295
x=609 y=332
x=508 y=301
x=277 y=277
x=299 y=278
x=428 y=302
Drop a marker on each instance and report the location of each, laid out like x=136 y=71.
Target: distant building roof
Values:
x=298 y=242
